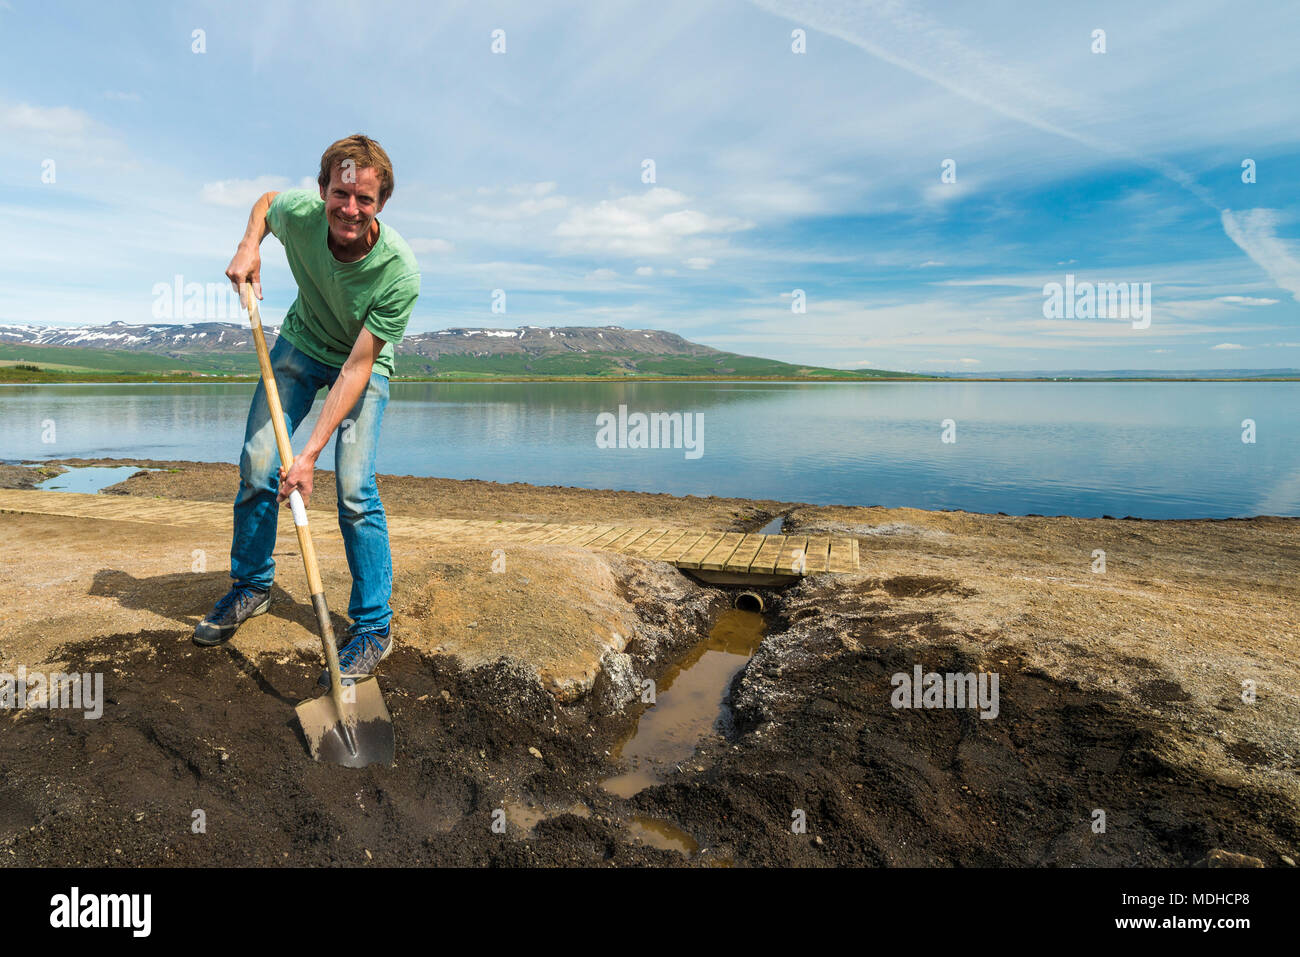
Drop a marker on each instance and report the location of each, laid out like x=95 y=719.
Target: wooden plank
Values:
x=716 y=559
x=569 y=533
x=791 y=550
x=105 y=504
x=190 y=521
x=586 y=538
x=658 y=548
x=841 y=559
x=730 y=552
x=674 y=552
x=102 y=508
x=626 y=539
x=538 y=535
x=768 y=553
x=744 y=554
x=693 y=556
x=436 y=526
x=119 y=513
x=618 y=531
x=817 y=549
x=517 y=530
x=645 y=541
x=553 y=531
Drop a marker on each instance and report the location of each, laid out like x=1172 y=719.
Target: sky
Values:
x=135 y=147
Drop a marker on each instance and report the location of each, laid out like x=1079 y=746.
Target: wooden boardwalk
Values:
x=713 y=555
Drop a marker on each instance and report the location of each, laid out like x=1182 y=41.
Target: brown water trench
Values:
x=689 y=701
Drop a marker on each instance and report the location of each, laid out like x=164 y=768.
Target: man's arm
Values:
x=247 y=264
x=342 y=399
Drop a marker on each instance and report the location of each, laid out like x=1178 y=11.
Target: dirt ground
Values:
x=1161 y=691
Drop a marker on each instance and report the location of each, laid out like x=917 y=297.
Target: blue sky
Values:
x=775 y=171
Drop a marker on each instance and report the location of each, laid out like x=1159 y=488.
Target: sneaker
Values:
x=361 y=655
x=236 y=607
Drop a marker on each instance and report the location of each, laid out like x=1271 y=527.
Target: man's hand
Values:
x=298 y=477
x=246 y=267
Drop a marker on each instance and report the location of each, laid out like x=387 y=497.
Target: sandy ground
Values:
x=1121 y=691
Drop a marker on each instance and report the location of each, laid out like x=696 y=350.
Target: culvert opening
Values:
x=688 y=702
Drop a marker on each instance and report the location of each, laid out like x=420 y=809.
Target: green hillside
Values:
x=617 y=365
x=120 y=360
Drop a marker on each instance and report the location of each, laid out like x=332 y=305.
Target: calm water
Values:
x=1155 y=450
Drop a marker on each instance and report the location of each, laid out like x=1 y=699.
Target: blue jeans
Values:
x=298 y=377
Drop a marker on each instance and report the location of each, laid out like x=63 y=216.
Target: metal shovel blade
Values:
x=354 y=732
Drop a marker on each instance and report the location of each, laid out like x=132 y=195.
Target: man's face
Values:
x=351 y=202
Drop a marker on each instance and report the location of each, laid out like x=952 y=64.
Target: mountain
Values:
x=226 y=347
x=189 y=338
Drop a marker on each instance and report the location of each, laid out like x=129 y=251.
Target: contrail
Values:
x=935 y=53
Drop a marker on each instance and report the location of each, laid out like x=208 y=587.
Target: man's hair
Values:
x=364 y=153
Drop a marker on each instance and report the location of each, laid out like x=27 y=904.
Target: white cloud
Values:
x=950 y=362
x=645 y=270
x=602 y=274
x=63 y=133
x=938 y=192
x=1254 y=230
x=58 y=121
x=1247 y=300
x=1225 y=346
x=698 y=262
x=527 y=208
x=643 y=225
x=245 y=192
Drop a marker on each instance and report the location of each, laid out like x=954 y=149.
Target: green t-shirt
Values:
x=336 y=299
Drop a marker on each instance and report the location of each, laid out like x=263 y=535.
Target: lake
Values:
x=1147 y=449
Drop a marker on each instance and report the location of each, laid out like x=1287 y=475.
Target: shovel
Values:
x=350 y=725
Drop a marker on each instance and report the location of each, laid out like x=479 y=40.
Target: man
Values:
x=357 y=284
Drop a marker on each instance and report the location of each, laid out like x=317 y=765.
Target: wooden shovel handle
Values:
x=295 y=500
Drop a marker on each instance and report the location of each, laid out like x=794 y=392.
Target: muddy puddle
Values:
x=526 y=814
x=663 y=835
x=689 y=701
